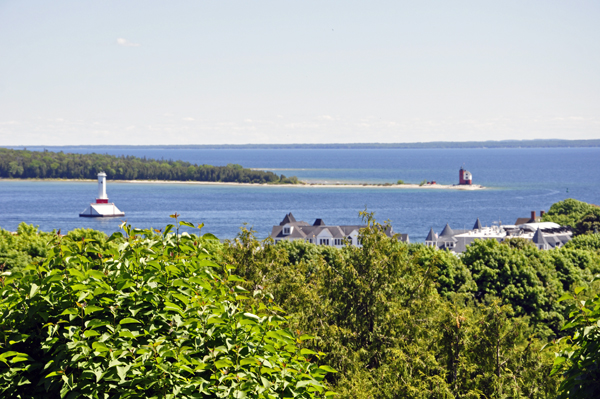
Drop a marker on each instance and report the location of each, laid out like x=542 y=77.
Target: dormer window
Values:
x=287 y=230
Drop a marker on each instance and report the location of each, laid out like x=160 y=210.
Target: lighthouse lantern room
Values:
x=102 y=208
x=464 y=177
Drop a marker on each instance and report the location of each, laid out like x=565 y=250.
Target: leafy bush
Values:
x=88 y=234
x=579 y=360
x=26 y=246
x=156 y=317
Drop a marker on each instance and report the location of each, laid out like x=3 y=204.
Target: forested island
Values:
x=45 y=164
x=174 y=313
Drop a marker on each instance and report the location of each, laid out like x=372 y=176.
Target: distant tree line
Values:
x=48 y=165
x=549 y=143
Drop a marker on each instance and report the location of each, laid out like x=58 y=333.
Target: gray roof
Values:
x=303 y=230
x=538 y=237
x=477 y=225
x=431 y=236
x=447 y=232
x=289 y=218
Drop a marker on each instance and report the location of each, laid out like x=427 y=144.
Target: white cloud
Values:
x=126 y=43
x=188 y=119
x=327 y=118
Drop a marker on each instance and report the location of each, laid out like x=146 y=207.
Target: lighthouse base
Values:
x=102 y=211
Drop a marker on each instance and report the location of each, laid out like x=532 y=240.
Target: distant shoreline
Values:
x=306 y=185
x=543 y=143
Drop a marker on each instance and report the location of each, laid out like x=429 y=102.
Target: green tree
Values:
x=567 y=212
x=589 y=223
x=524 y=278
x=585 y=242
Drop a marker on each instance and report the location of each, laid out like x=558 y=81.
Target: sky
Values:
x=132 y=72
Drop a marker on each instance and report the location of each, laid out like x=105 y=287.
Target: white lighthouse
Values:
x=102 y=209
x=102 y=197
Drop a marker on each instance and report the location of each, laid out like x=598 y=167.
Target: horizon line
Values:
x=528 y=143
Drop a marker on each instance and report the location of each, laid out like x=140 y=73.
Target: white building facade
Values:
x=319 y=233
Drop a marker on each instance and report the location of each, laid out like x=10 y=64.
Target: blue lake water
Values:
x=519 y=181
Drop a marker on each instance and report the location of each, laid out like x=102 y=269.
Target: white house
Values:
x=319 y=233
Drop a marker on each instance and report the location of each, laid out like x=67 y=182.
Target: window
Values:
x=276 y=241
x=324 y=241
x=310 y=240
x=350 y=240
x=338 y=241
x=287 y=230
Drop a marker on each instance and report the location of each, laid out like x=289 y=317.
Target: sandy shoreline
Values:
x=307 y=185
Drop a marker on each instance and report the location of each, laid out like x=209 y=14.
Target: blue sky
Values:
x=233 y=72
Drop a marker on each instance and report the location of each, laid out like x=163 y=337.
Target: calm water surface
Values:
x=519 y=180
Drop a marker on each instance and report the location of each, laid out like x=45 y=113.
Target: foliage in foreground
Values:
x=397 y=320
x=154 y=318
x=579 y=358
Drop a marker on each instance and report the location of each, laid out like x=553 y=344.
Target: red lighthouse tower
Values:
x=464 y=177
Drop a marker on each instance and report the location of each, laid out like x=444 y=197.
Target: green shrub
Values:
x=156 y=317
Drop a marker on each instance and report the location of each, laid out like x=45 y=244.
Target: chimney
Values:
x=542 y=213
x=533 y=216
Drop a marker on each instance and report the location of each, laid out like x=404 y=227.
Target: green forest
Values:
x=59 y=165
x=179 y=314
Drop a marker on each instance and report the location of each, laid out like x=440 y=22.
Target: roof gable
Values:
x=538 y=237
x=289 y=218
